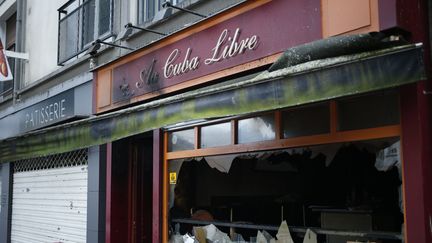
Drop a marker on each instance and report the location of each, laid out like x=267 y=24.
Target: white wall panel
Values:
x=41 y=38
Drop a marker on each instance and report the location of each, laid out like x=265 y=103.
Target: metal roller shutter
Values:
x=50 y=199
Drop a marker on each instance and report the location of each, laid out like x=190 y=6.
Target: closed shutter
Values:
x=49 y=200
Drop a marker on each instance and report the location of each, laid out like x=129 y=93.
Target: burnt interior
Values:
x=348 y=193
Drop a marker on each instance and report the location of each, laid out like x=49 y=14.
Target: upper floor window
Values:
x=80 y=23
x=6 y=87
x=147 y=9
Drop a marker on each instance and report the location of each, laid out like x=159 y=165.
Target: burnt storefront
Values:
x=271 y=120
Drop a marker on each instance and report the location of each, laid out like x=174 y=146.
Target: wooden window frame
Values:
x=334 y=136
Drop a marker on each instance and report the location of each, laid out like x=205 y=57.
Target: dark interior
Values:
x=297 y=186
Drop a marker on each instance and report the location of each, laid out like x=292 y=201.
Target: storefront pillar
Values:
x=416 y=165
x=416 y=124
x=157 y=185
x=6 y=202
x=108 y=186
x=96 y=194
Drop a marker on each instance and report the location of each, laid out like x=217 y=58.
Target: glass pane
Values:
x=10 y=31
x=7 y=86
x=368 y=111
x=69 y=35
x=150 y=9
x=88 y=20
x=173 y=173
x=147 y=9
x=216 y=135
x=181 y=140
x=104 y=16
x=306 y=121
x=256 y=129
x=141 y=9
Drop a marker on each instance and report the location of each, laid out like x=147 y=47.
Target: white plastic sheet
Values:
x=388 y=157
x=283 y=235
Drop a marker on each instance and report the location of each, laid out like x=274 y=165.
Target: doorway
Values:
x=131 y=189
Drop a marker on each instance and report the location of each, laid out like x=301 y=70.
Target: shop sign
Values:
x=48 y=112
x=182 y=62
x=226 y=47
x=247 y=37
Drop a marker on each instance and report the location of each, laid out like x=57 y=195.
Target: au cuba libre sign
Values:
x=250 y=36
x=226 y=47
x=229 y=44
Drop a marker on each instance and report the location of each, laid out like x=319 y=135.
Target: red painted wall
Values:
x=117 y=193
x=157 y=186
x=416 y=130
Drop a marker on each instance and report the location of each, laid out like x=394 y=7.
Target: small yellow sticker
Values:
x=173 y=177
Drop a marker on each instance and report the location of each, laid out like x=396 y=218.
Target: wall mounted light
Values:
x=129 y=28
x=96 y=45
x=168 y=4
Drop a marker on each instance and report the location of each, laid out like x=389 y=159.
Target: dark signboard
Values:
x=53 y=110
x=255 y=34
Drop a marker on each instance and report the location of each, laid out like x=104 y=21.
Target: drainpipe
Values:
x=20 y=46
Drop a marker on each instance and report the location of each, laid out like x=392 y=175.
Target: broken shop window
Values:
x=340 y=192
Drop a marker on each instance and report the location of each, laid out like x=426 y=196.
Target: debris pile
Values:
x=211 y=234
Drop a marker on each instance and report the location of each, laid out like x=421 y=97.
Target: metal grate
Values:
x=74 y=158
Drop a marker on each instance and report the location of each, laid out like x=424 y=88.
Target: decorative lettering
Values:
x=171 y=68
x=227 y=46
x=45 y=114
x=149 y=77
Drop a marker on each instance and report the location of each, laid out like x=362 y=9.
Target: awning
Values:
x=308 y=82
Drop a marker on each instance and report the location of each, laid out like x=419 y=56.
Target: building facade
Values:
x=44 y=93
x=136 y=121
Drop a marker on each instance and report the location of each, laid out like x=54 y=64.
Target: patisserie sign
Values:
x=48 y=112
x=226 y=46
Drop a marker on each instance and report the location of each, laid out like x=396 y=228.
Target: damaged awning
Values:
x=304 y=83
